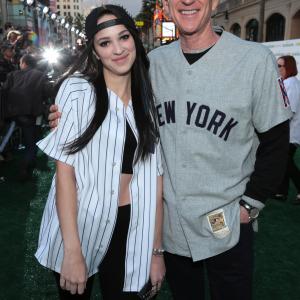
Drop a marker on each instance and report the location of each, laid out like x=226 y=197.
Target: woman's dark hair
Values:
x=8 y=25
x=290 y=65
x=141 y=90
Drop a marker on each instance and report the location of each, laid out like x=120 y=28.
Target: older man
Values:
x=224 y=133
x=223 y=125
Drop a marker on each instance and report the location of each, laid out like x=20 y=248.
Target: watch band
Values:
x=245 y=205
x=253 y=212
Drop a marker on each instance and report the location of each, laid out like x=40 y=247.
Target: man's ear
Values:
x=166 y=8
x=215 y=4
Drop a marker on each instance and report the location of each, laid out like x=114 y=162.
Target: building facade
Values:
x=71 y=8
x=18 y=12
x=14 y=12
x=281 y=19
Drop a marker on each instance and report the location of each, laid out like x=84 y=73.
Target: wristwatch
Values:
x=252 y=211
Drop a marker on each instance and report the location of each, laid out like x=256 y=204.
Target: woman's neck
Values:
x=121 y=86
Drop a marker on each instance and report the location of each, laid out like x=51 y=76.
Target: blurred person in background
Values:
x=6 y=61
x=26 y=91
x=288 y=71
x=6 y=127
x=8 y=26
x=13 y=36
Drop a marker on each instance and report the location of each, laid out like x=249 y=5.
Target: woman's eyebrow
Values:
x=124 y=31
x=108 y=37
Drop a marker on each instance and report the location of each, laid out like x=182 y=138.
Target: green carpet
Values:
x=277 y=247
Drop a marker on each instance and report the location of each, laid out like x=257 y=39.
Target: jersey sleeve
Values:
x=159 y=167
x=54 y=144
x=271 y=105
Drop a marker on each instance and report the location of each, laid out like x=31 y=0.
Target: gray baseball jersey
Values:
x=208 y=113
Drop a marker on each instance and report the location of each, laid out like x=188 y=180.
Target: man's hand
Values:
x=244 y=215
x=54 y=116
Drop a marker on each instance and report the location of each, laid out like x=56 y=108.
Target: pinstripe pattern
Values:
x=98 y=170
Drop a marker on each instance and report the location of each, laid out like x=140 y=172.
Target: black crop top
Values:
x=129 y=150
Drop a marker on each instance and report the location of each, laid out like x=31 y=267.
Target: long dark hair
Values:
x=141 y=92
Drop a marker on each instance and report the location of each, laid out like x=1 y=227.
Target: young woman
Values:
x=104 y=210
x=288 y=71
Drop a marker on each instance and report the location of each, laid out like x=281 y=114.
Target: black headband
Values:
x=110 y=23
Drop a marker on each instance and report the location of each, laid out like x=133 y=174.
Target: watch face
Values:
x=254 y=212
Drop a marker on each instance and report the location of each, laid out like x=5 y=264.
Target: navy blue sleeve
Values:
x=271 y=161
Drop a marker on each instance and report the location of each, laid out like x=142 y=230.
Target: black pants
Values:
x=31 y=133
x=292 y=172
x=229 y=273
x=112 y=268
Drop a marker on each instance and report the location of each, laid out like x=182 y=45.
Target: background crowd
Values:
x=17 y=82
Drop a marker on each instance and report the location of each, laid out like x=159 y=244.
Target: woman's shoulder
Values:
x=291 y=80
x=72 y=87
x=77 y=81
x=292 y=83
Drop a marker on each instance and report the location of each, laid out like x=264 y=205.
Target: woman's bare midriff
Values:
x=124 y=198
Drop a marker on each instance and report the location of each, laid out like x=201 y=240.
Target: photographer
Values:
x=25 y=95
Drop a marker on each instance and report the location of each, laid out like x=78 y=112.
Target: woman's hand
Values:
x=73 y=275
x=53 y=116
x=158 y=271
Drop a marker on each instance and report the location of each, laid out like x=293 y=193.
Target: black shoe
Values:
x=24 y=175
x=297 y=200
x=280 y=197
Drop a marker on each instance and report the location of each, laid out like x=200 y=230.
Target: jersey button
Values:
x=189 y=72
x=112 y=192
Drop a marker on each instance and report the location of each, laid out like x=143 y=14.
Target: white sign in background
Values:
x=287 y=47
x=168 y=30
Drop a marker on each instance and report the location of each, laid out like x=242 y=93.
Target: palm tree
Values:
x=146 y=14
x=79 y=22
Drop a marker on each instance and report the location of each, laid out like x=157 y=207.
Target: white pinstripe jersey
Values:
x=97 y=170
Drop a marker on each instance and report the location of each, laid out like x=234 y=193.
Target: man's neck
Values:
x=198 y=41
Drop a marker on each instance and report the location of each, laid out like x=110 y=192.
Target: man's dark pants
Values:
x=30 y=136
x=229 y=274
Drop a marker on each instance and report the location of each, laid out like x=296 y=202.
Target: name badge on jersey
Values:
x=217 y=222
